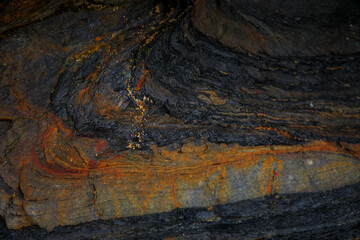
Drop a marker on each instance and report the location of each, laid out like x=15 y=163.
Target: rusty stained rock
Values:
x=117 y=110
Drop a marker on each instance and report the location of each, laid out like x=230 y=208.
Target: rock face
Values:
x=115 y=109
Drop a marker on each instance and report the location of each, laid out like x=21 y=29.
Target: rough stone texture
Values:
x=116 y=109
x=323 y=215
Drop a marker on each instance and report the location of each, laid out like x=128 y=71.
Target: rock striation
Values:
x=113 y=109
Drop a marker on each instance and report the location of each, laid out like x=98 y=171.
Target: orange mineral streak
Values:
x=270 y=168
x=105 y=107
x=57 y=138
x=282 y=133
x=173 y=192
x=270 y=185
x=142 y=177
x=83 y=96
x=61 y=158
x=93 y=75
x=173 y=162
x=84 y=54
x=142 y=79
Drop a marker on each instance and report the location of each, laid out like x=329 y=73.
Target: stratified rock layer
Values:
x=118 y=109
x=333 y=214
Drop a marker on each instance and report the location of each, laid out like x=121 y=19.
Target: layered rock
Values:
x=115 y=109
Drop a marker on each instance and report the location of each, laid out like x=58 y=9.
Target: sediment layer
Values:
x=126 y=108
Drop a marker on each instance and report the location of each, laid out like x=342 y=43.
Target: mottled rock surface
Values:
x=205 y=119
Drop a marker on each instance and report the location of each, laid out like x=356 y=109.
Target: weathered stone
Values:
x=116 y=109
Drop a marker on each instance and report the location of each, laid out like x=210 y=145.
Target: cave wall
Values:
x=116 y=109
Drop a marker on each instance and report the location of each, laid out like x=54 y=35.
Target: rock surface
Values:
x=115 y=109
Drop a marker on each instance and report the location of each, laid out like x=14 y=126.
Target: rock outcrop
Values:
x=115 y=109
